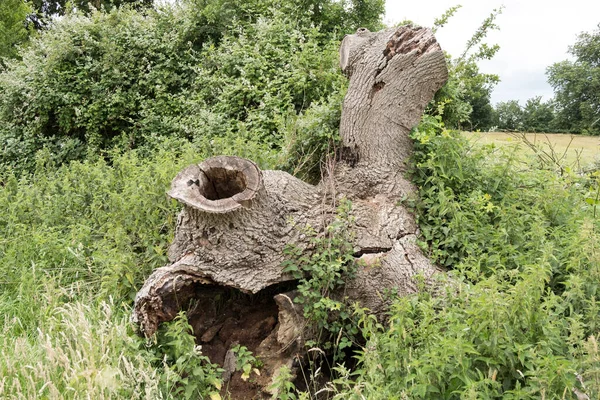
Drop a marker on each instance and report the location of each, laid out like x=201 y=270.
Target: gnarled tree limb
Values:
x=237 y=219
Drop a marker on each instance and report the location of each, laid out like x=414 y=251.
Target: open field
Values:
x=584 y=148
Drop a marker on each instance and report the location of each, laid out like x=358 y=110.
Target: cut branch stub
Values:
x=218 y=185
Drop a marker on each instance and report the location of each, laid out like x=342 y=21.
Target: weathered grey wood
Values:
x=393 y=76
x=237 y=219
x=218 y=185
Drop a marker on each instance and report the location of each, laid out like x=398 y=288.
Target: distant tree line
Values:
x=577 y=86
x=575 y=107
x=535 y=116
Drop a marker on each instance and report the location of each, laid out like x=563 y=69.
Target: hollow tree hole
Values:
x=222 y=183
x=222 y=317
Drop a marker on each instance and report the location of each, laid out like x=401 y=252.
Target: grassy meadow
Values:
x=581 y=150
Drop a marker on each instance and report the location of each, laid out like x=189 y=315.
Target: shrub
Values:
x=91 y=83
x=520 y=316
x=193 y=70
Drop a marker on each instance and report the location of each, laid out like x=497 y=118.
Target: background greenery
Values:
x=575 y=107
x=100 y=109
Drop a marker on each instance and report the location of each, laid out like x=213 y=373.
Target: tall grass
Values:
x=76 y=243
x=79 y=351
x=86 y=228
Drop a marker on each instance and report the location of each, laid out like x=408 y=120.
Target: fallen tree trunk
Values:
x=237 y=219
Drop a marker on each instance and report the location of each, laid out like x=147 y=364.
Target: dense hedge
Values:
x=191 y=71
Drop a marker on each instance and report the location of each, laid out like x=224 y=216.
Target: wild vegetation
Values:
x=90 y=141
x=13 y=27
x=466 y=96
x=522 y=318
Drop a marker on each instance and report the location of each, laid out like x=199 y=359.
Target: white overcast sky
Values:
x=533 y=35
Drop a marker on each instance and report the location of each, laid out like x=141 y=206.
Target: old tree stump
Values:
x=235 y=222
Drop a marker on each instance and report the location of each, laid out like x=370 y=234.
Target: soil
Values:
x=222 y=318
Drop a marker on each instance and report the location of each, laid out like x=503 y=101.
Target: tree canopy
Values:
x=44 y=10
x=13 y=27
x=577 y=85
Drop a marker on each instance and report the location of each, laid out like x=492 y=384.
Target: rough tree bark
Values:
x=238 y=219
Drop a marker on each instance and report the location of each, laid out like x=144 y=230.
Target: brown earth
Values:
x=222 y=318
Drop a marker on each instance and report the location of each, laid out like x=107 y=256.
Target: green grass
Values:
x=579 y=150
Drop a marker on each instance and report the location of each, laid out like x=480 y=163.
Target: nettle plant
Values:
x=322 y=271
x=521 y=318
x=187 y=373
x=246 y=362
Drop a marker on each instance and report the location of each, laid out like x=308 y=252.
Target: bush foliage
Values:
x=520 y=318
x=197 y=70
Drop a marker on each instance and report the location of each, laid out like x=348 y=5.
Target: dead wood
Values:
x=237 y=219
